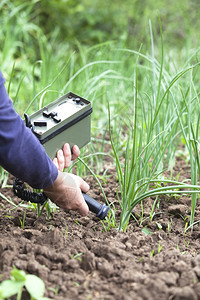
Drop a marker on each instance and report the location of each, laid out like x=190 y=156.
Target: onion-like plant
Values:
x=138 y=175
x=152 y=136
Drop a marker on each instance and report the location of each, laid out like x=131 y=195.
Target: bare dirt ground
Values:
x=78 y=259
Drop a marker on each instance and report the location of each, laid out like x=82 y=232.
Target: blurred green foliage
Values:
x=94 y=21
x=38 y=37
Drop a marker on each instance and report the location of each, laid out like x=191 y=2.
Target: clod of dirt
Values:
x=183 y=293
x=88 y=262
x=178 y=209
x=79 y=260
x=104 y=267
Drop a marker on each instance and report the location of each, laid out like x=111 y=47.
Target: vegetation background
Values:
x=138 y=63
x=39 y=36
x=133 y=54
x=90 y=22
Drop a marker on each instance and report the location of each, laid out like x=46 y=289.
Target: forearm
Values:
x=20 y=151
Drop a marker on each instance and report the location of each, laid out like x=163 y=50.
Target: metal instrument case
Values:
x=67 y=119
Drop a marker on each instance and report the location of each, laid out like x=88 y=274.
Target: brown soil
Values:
x=109 y=265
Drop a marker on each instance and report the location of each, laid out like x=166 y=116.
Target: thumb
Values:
x=84 y=186
x=83 y=208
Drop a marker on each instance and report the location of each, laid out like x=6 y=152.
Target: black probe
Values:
x=101 y=210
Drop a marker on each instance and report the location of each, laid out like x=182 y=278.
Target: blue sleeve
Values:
x=21 y=154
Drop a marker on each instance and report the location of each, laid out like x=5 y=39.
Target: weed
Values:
x=77 y=256
x=186 y=225
x=66 y=232
x=76 y=283
x=159 y=247
x=152 y=253
x=19 y=279
x=22 y=222
x=140 y=259
x=55 y=290
x=191 y=226
x=49 y=206
x=187 y=243
x=181 y=252
x=110 y=220
x=169 y=226
x=152 y=213
x=77 y=223
x=146 y=231
x=8 y=200
x=50 y=227
x=158 y=225
x=7 y=216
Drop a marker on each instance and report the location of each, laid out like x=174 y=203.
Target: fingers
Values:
x=84 y=186
x=83 y=209
x=60 y=160
x=64 y=157
x=79 y=204
x=67 y=155
x=75 y=152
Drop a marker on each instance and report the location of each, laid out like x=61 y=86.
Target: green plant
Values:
x=19 y=279
x=22 y=222
x=152 y=213
x=187 y=243
x=181 y=252
x=191 y=226
x=159 y=247
x=146 y=231
x=110 y=221
x=158 y=225
x=77 y=256
x=169 y=226
x=77 y=222
x=146 y=146
x=8 y=200
x=66 y=232
x=164 y=103
x=3 y=178
x=133 y=186
x=95 y=176
x=190 y=132
x=55 y=290
x=152 y=253
x=140 y=259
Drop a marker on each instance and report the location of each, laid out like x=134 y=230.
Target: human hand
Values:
x=65 y=156
x=66 y=192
